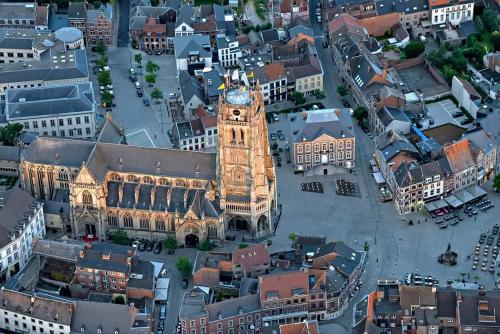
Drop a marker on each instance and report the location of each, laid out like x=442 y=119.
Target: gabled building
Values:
x=153 y=27
x=450 y=11
x=191 y=92
x=252 y=261
x=228 y=51
x=99 y=25
x=18 y=15
x=462 y=164
x=466 y=95
x=323 y=142
x=77 y=15
x=485 y=151
x=290 y=9
x=273 y=82
x=192 y=53
x=389 y=118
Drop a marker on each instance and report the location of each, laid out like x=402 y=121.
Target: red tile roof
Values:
x=283 y=284
x=152 y=26
x=435 y=3
x=42 y=15
x=251 y=256
x=209 y=121
x=306 y=327
x=459 y=155
x=341 y=20
x=274 y=71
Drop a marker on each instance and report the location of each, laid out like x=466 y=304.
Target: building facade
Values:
x=21 y=223
x=454 y=12
x=99 y=26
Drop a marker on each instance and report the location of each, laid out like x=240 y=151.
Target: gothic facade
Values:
x=151 y=192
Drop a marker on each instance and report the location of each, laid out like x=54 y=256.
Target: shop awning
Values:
x=435 y=205
x=453 y=201
x=379 y=178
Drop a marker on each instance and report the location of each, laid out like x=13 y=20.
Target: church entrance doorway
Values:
x=191 y=240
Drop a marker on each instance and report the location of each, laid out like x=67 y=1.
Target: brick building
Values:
x=99 y=26
x=252 y=261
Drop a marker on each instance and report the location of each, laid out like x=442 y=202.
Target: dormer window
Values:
x=82 y=329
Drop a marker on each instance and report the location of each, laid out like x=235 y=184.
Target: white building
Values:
x=24 y=313
x=61 y=68
x=192 y=52
x=454 y=12
x=58 y=111
x=466 y=95
x=228 y=50
x=21 y=222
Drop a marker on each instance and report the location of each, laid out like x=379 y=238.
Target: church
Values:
x=153 y=193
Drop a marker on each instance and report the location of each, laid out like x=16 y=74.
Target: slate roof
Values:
x=231 y=307
x=481 y=140
x=47 y=70
x=184 y=15
x=391 y=145
x=446 y=302
x=58 y=151
x=193 y=306
x=470 y=313
x=49 y=100
x=336 y=123
x=387 y=115
x=190 y=87
x=411 y=6
x=10 y=153
x=111 y=133
x=186 y=45
x=77 y=10
x=17 y=10
x=212 y=81
x=108 y=318
x=270 y=35
x=43 y=308
x=16 y=203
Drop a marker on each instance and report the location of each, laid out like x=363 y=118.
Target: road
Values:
x=123 y=22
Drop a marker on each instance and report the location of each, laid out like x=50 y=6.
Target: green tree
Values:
x=10 y=133
x=156 y=94
x=205 y=245
x=135 y=45
x=479 y=23
x=490 y=20
x=184 y=266
x=138 y=58
x=101 y=61
x=150 y=78
x=298 y=98
x=449 y=72
x=342 y=90
x=495 y=40
x=119 y=300
x=360 y=113
x=458 y=61
x=101 y=47
x=496 y=182
x=106 y=99
x=242 y=246
x=292 y=237
x=120 y=237
x=414 y=49
x=170 y=243
x=436 y=58
x=104 y=78
x=319 y=94
x=151 y=67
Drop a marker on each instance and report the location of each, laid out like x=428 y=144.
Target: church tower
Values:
x=245 y=168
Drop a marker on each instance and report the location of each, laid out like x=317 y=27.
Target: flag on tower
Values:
x=221 y=87
x=235 y=76
x=244 y=78
x=250 y=75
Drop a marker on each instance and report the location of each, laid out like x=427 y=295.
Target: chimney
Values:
x=32 y=299
x=81 y=254
x=483 y=305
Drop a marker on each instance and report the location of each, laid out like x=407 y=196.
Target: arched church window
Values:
x=159 y=224
x=87 y=198
x=128 y=222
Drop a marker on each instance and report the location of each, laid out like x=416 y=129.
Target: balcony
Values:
x=241 y=204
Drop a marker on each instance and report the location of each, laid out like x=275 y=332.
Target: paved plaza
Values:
x=395 y=247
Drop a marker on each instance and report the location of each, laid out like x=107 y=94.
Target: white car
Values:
x=137 y=85
x=422 y=39
x=319 y=18
x=131 y=71
x=276 y=118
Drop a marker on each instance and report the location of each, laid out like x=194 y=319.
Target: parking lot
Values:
x=143 y=125
x=419 y=78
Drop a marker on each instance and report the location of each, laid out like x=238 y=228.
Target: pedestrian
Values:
x=155 y=135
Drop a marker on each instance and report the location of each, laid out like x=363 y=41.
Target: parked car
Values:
x=149 y=245
x=142 y=246
x=318 y=18
x=131 y=70
x=184 y=283
x=161 y=325
x=133 y=78
x=273 y=136
x=163 y=313
x=139 y=92
x=137 y=85
x=158 y=248
x=146 y=102
x=422 y=39
x=276 y=118
x=170 y=134
x=280 y=135
x=346 y=104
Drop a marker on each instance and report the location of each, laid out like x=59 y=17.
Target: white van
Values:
x=422 y=39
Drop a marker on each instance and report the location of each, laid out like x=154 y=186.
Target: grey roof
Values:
x=9 y=41
x=49 y=100
x=223 y=41
x=212 y=82
x=481 y=139
x=232 y=307
x=187 y=45
x=184 y=130
x=446 y=302
x=10 y=153
x=388 y=114
x=410 y=173
x=347 y=259
x=48 y=70
x=77 y=10
x=37 y=307
x=117 y=257
x=270 y=35
x=466 y=29
x=144 y=278
x=385 y=7
x=108 y=317
x=335 y=281
x=333 y=122
x=69 y=34
x=111 y=133
x=184 y=15
x=193 y=306
x=144 y=160
x=58 y=151
x=470 y=311
x=68 y=252
x=411 y=6
x=18 y=10
x=190 y=87
x=394 y=148
x=106 y=10
x=16 y=204
x=140 y=14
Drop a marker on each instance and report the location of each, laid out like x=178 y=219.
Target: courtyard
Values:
x=419 y=78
